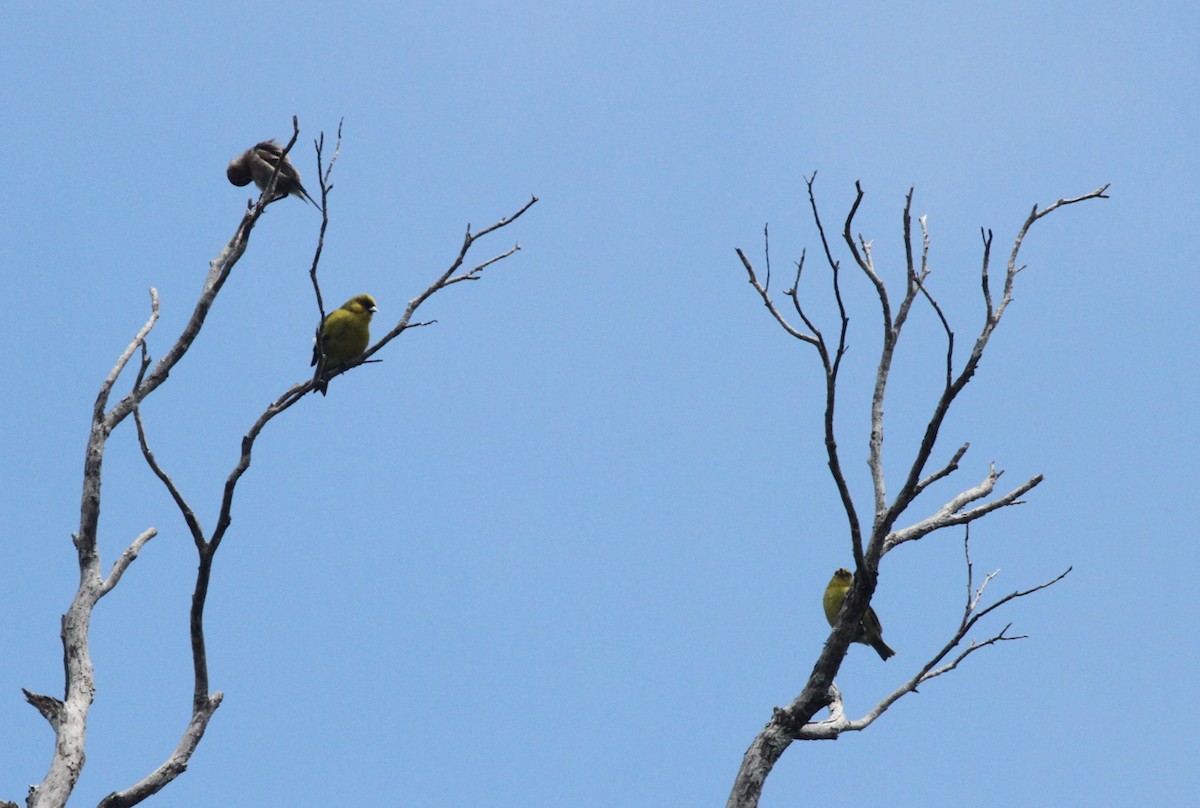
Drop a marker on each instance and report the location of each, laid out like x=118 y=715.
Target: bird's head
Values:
x=239 y=171
x=844 y=575
x=363 y=304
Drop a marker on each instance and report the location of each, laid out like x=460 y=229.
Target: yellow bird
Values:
x=259 y=163
x=345 y=334
x=869 y=632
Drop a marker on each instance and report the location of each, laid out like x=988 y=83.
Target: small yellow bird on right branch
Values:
x=869 y=632
x=345 y=334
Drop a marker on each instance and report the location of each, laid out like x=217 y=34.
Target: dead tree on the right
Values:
x=888 y=525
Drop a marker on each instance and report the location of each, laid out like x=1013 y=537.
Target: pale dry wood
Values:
x=68 y=716
x=794 y=722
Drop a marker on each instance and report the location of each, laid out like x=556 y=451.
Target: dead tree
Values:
x=870 y=542
x=68 y=715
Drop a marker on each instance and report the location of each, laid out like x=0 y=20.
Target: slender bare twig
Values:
x=189 y=516
x=448 y=277
x=323 y=178
x=945 y=470
x=867 y=266
x=937 y=309
x=125 y=559
x=761 y=288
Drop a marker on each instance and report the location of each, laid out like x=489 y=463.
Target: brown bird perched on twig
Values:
x=258 y=163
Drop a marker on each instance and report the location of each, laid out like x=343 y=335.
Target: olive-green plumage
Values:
x=345 y=334
x=870 y=632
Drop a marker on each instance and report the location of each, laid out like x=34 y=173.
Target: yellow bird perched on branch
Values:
x=869 y=632
x=258 y=163
x=345 y=334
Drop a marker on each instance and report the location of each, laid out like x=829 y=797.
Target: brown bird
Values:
x=258 y=163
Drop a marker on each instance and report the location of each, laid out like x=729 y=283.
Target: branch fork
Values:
x=868 y=546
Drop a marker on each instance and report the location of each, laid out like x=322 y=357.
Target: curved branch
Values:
x=864 y=259
x=173 y=766
x=189 y=516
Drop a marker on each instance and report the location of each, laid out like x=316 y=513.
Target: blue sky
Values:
x=566 y=547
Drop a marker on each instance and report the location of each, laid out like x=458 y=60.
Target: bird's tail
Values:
x=882 y=649
x=306 y=197
x=323 y=384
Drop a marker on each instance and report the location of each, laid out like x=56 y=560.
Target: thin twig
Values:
x=125 y=559
x=443 y=280
x=761 y=288
x=945 y=470
x=323 y=178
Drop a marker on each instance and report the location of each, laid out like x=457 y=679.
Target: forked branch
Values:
x=67 y=716
x=795 y=721
x=204 y=704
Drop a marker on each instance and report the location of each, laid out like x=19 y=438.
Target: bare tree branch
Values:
x=945 y=470
x=48 y=706
x=323 y=178
x=70 y=729
x=795 y=721
x=189 y=516
x=937 y=309
x=174 y=766
x=770 y=304
x=473 y=274
x=203 y=704
x=910 y=487
x=446 y=278
x=125 y=559
x=67 y=717
x=952 y=512
x=864 y=262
